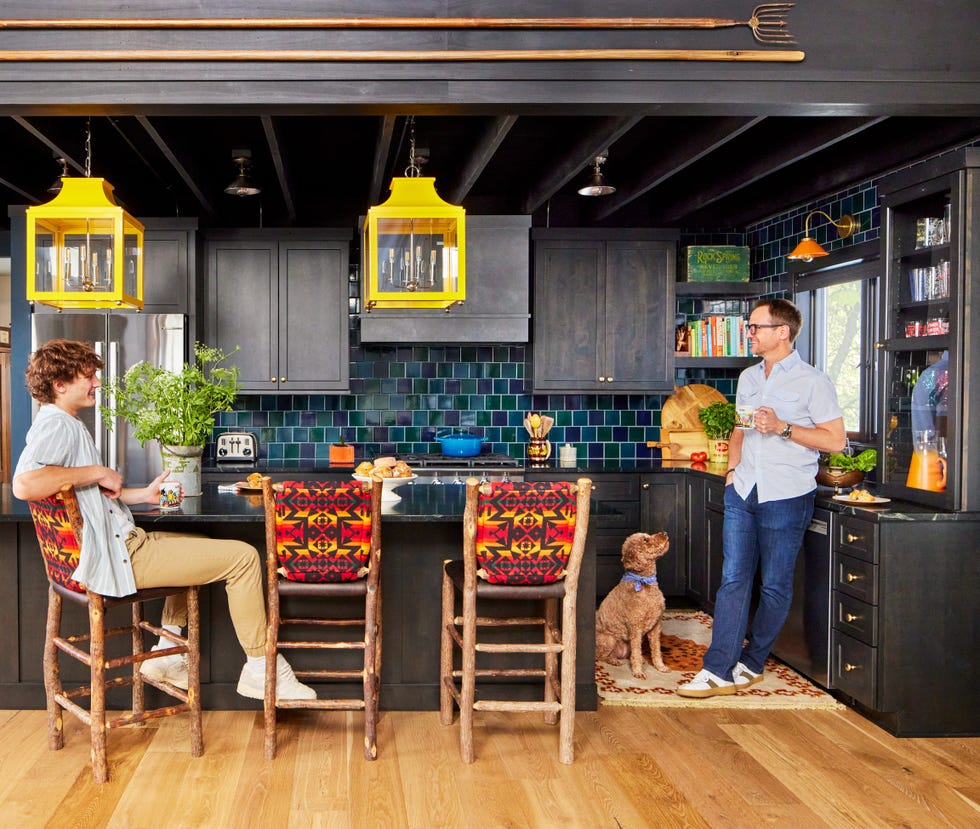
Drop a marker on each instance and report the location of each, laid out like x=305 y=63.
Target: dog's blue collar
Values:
x=638 y=580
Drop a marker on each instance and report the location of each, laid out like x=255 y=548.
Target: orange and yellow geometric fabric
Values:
x=59 y=547
x=323 y=530
x=524 y=531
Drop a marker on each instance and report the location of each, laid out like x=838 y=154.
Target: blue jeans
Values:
x=766 y=536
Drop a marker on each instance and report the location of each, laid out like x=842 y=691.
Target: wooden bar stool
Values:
x=521 y=541
x=58 y=523
x=323 y=541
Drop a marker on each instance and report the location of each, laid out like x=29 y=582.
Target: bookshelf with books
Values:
x=714 y=315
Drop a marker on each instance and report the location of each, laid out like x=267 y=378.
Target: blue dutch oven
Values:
x=460 y=444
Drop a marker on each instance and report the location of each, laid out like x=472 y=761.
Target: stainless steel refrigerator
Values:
x=122 y=340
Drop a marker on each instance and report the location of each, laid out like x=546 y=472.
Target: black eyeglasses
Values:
x=755 y=326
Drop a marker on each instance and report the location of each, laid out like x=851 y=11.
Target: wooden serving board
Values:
x=681 y=409
x=678 y=444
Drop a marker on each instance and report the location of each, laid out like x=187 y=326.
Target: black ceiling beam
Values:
x=275 y=148
x=15 y=189
x=175 y=162
x=856 y=163
x=602 y=136
x=813 y=138
x=382 y=148
x=486 y=148
x=40 y=136
x=692 y=149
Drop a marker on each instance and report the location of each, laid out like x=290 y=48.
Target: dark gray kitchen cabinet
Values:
x=705 y=521
x=603 y=310
x=169 y=266
x=903 y=614
x=663 y=501
x=282 y=301
x=496 y=309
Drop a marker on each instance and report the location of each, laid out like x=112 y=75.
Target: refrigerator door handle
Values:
x=98 y=432
x=112 y=366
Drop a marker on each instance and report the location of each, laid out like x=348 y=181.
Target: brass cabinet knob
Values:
x=851 y=617
x=282 y=379
x=848 y=667
x=851 y=538
x=602 y=379
x=879 y=345
x=272 y=379
x=645 y=486
x=852 y=577
x=609 y=379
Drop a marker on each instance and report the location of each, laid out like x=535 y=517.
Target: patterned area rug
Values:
x=685 y=638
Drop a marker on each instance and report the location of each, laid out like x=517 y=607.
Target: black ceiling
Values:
x=673 y=171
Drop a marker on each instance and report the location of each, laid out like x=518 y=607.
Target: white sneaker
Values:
x=744 y=677
x=706 y=684
x=251 y=683
x=172 y=669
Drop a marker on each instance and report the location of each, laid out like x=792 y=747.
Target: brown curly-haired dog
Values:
x=634 y=608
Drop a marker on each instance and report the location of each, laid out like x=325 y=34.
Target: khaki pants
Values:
x=177 y=560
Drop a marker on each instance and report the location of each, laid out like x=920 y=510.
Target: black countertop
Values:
x=418 y=503
x=425 y=502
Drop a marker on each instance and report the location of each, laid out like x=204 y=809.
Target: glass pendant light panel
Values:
x=414 y=246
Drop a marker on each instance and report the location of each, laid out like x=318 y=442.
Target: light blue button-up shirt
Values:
x=799 y=394
x=58 y=439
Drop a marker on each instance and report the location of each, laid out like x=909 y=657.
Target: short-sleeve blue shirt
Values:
x=799 y=394
x=58 y=439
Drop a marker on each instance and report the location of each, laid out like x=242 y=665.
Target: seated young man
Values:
x=117 y=557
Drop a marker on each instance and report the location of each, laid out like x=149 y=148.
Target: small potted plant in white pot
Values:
x=175 y=409
x=718 y=420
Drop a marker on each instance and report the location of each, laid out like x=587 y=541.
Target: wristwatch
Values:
x=787 y=432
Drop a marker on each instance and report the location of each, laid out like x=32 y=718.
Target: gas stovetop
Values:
x=489 y=460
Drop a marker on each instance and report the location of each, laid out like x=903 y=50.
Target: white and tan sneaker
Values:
x=744 y=677
x=172 y=669
x=251 y=683
x=706 y=684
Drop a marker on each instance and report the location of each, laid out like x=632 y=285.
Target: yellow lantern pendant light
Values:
x=84 y=250
x=414 y=245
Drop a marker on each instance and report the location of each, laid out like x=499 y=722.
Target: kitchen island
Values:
x=418 y=533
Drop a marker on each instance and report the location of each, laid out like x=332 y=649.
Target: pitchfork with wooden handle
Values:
x=767 y=23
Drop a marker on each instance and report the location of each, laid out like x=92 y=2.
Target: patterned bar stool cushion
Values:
x=323 y=530
x=524 y=531
x=59 y=548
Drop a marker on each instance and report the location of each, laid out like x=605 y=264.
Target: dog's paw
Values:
x=611 y=660
x=640 y=674
x=662 y=668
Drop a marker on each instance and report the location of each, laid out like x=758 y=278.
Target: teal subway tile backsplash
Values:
x=401 y=396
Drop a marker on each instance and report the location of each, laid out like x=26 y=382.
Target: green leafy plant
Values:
x=718 y=420
x=176 y=409
x=864 y=462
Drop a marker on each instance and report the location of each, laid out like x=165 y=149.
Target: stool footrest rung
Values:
x=514 y=705
x=325 y=704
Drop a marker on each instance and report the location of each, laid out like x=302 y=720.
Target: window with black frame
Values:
x=839 y=297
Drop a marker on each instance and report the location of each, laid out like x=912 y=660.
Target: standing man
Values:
x=769 y=493
x=117 y=557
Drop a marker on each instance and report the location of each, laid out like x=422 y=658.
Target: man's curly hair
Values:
x=59 y=361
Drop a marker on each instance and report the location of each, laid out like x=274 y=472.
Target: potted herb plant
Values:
x=175 y=409
x=718 y=420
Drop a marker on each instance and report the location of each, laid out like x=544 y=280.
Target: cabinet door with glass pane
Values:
x=927 y=381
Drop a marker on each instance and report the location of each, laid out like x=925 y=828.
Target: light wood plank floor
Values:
x=634 y=768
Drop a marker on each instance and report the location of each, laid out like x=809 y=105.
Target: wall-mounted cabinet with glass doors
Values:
x=929 y=448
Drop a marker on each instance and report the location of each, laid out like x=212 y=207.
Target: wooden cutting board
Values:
x=678 y=444
x=681 y=409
